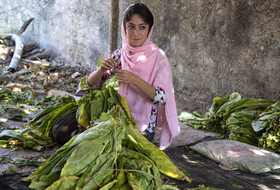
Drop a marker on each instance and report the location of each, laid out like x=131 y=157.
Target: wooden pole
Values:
x=114 y=25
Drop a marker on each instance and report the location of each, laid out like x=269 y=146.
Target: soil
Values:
x=55 y=76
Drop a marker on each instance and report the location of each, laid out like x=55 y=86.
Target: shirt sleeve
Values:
x=159 y=96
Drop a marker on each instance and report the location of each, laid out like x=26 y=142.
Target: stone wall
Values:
x=215 y=47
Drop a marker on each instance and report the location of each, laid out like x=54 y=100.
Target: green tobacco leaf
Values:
x=134 y=181
x=234 y=97
x=82 y=156
x=96 y=108
x=162 y=161
x=65 y=182
x=167 y=187
x=258 y=125
x=55 y=171
x=237 y=186
x=105 y=171
x=99 y=61
x=82 y=85
x=109 y=185
x=84 y=114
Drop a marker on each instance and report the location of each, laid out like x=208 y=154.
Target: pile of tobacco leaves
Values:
x=108 y=153
x=35 y=133
x=249 y=120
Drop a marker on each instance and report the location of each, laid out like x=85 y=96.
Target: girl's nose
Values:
x=135 y=32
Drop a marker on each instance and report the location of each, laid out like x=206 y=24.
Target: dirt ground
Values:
x=44 y=76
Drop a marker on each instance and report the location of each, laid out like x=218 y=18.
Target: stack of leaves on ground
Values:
x=233 y=116
x=111 y=154
x=268 y=122
x=36 y=132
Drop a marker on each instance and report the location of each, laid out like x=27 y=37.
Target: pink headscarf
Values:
x=150 y=63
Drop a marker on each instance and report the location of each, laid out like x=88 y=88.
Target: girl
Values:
x=144 y=75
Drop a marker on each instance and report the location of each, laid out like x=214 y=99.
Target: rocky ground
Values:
x=42 y=77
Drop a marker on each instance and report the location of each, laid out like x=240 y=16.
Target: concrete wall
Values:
x=220 y=47
x=215 y=47
x=72 y=31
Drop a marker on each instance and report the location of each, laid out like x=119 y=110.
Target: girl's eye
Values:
x=142 y=27
x=130 y=27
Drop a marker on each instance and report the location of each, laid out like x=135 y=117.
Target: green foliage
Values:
x=110 y=154
x=237 y=119
x=268 y=123
x=99 y=61
x=36 y=132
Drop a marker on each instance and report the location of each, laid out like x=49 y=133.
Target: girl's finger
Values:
x=118 y=71
x=107 y=63
x=111 y=61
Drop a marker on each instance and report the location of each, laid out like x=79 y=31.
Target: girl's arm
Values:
x=130 y=78
x=106 y=64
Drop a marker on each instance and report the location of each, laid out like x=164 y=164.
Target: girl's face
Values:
x=136 y=30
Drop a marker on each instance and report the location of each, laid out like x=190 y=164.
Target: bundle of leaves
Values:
x=99 y=101
x=110 y=154
x=36 y=132
x=268 y=123
x=230 y=116
x=110 y=82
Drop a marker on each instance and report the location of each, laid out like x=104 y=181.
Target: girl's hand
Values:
x=125 y=76
x=107 y=64
x=131 y=78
